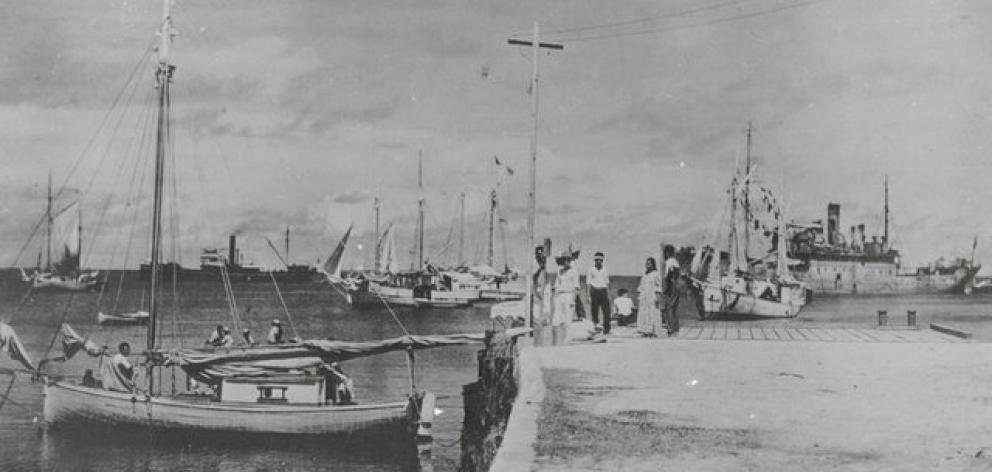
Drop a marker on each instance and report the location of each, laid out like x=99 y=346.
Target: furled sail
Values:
x=72 y=343
x=212 y=366
x=12 y=344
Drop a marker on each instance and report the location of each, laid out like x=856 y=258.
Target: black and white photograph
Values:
x=483 y=235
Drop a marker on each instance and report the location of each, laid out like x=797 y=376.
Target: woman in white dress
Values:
x=566 y=287
x=648 y=310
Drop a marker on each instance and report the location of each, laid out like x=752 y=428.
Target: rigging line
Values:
x=174 y=222
x=103 y=122
x=728 y=19
x=133 y=193
x=110 y=139
x=647 y=19
x=113 y=186
x=283 y=303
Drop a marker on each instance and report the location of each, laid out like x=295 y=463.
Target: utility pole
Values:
x=535 y=45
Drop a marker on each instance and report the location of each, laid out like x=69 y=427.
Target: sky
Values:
x=298 y=113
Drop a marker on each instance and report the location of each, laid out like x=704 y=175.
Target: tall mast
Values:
x=79 y=237
x=287 y=245
x=492 y=220
x=48 y=217
x=376 y=257
x=461 y=232
x=163 y=76
x=885 y=235
x=420 y=209
x=747 y=203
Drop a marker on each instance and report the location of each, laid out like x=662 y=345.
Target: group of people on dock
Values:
x=559 y=303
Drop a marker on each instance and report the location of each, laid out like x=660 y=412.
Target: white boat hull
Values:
x=136 y=318
x=733 y=296
x=73 y=404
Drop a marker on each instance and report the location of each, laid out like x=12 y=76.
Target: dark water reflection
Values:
x=317 y=312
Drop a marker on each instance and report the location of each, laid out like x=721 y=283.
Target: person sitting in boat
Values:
x=276 y=335
x=226 y=340
x=337 y=385
x=215 y=337
x=118 y=374
x=249 y=339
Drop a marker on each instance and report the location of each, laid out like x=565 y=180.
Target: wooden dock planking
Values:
x=737 y=330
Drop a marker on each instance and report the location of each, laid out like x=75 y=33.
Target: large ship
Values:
x=214 y=261
x=832 y=264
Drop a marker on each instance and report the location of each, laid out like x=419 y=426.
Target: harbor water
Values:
x=317 y=311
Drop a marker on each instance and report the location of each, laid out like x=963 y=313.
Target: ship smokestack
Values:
x=232 y=251
x=861 y=235
x=833 y=223
x=854 y=237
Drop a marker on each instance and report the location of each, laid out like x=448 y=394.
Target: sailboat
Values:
x=752 y=286
x=272 y=389
x=423 y=286
x=66 y=274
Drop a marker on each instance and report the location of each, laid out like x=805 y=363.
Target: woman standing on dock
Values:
x=648 y=299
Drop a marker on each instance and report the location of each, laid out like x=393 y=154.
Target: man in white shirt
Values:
x=623 y=307
x=598 y=280
x=275 y=333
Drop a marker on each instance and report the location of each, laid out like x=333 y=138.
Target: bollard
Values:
x=883 y=317
x=911 y=318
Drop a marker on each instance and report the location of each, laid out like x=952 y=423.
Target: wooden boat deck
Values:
x=749 y=331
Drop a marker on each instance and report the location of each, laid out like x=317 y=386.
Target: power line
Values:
x=649 y=19
x=742 y=16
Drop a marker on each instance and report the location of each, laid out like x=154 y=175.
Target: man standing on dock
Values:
x=598 y=280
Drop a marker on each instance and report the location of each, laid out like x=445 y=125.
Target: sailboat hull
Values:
x=67 y=404
x=65 y=284
x=734 y=296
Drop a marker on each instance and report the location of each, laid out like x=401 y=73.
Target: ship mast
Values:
x=376 y=257
x=420 y=210
x=163 y=76
x=747 y=203
x=48 y=217
x=287 y=246
x=885 y=234
x=492 y=219
x=461 y=232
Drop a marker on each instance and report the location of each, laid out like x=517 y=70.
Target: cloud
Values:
x=352 y=197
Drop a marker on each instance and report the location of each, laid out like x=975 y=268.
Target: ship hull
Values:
x=735 y=296
x=69 y=404
x=856 y=278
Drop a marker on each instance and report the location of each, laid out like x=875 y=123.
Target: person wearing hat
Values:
x=215 y=336
x=566 y=287
x=226 y=340
x=248 y=338
x=598 y=280
x=275 y=333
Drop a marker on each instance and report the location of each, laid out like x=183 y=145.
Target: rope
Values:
x=283 y=303
x=231 y=302
x=6 y=394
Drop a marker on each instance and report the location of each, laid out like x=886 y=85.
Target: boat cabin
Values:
x=288 y=389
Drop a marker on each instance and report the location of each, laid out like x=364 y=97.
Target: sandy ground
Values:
x=668 y=404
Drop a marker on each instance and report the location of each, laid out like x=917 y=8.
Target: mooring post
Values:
x=883 y=317
x=911 y=318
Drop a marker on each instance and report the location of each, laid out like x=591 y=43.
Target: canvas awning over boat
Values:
x=212 y=366
x=12 y=344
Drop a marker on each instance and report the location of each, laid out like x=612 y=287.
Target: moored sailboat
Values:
x=734 y=283
x=280 y=389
